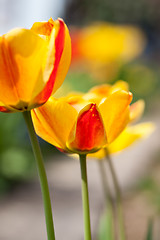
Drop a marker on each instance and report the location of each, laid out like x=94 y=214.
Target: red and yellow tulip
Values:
x=33 y=64
x=131 y=133
x=83 y=123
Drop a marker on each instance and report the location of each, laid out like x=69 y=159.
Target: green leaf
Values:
x=106 y=228
x=149 y=235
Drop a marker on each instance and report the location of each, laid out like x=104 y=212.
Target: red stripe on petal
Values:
x=90 y=133
x=3 y=109
x=59 y=46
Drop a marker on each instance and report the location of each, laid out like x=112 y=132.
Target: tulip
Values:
x=33 y=64
x=127 y=137
x=132 y=133
x=112 y=41
x=102 y=48
x=76 y=125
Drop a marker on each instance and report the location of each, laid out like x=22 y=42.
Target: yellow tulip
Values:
x=33 y=64
x=105 y=42
x=132 y=133
x=76 y=124
x=104 y=47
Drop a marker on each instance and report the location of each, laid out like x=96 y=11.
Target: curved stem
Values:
x=85 y=198
x=42 y=175
x=118 y=197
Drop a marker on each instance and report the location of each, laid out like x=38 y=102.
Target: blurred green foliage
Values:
x=16 y=159
x=17 y=162
x=143 y=79
x=106 y=226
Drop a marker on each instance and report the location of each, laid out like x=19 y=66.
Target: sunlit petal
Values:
x=54 y=121
x=22 y=53
x=43 y=28
x=136 y=110
x=119 y=85
x=58 y=59
x=101 y=90
x=130 y=135
x=115 y=113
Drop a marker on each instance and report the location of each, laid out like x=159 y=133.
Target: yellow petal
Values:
x=98 y=155
x=136 y=110
x=43 y=28
x=105 y=90
x=22 y=54
x=54 y=121
x=101 y=90
x=6 y=108
x=115 y=113
x=130 y=135
x=119 y=85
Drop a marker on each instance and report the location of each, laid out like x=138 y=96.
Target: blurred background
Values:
x=111 y=40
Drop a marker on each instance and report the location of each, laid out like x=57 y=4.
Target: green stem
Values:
x=104 y=180
x=42 y=175
x=108 y=196
x=85 y=198
x=118 y=198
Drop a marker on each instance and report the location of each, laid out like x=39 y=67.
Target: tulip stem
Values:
x=42 y=175
x=110 y=203
x=85 y=198
x=118 y=198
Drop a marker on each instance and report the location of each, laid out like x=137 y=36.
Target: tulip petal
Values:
x=60 y=49
x=53 y=121
x=88 y=134
x=43 y=28
x=119 y=85
x=105 y=90
x=65 y=60
x=136 y=110
x=98 y=155
x=76 y=100
x=22 y=54
x=6 y=109
x=130 y=135
x=102 y=90
x=115 y=113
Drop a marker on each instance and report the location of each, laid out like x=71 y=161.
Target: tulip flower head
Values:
x=33 y=64
x=83 y=123
x=102 y=48
x=115 y=42
x=131 y=133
